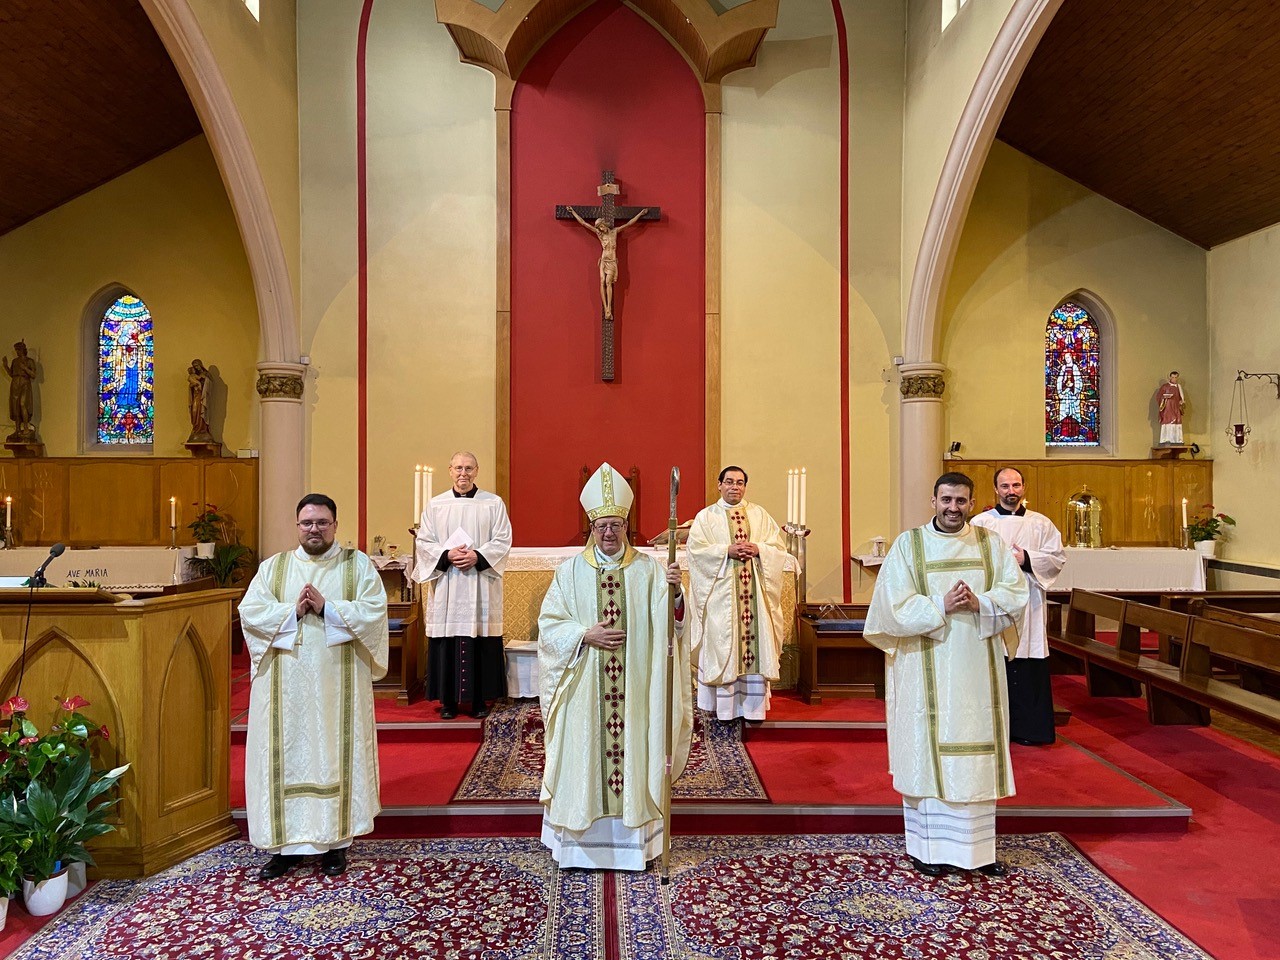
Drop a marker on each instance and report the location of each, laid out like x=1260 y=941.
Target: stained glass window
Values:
x=126 y=374
x=1071 y=384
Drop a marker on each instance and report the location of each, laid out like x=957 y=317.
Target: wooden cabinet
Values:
x=406 y=657
x=835 y=661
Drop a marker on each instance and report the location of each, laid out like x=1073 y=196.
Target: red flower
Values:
x=14 y=705
x=74 y=703
x=26 y=740
x=104 y=733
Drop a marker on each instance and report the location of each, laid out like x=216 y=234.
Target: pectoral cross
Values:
x=601 y=222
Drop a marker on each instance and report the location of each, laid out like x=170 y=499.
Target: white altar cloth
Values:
x=119 y=568
x=1132 y=568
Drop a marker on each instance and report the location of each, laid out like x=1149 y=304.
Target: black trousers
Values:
x=1030 y=700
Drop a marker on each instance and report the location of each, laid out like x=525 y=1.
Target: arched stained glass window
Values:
x=1072 y=390
x=126 y=374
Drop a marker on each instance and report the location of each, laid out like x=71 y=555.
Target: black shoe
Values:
x=448 y=713
x=931 y=869
x=334 y=862
x=996 y=869
x=278 y=866
x=480 y=713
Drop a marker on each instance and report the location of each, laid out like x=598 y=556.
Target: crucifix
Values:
x=600 y=221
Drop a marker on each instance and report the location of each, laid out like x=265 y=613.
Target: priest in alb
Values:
x=944 y=596
x=315 y=623
x=736 y=562
x=602 y=655
x=1037 y=547
x=461 y=549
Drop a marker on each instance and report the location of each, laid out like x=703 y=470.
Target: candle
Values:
x=173 y=512
x=804 y=494
x=417 y=492
x=1184 y=513
x=8 y=512
x=791 y=496
x=431 y=482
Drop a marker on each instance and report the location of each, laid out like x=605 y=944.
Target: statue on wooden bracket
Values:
x=201 y=443
x=23 y=442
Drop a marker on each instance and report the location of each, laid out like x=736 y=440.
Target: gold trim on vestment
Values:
x=613 y=692
x=930 y=671
x=629 y=553
x=966 y=749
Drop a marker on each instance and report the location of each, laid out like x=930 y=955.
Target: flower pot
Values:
x=4 y=910
x=76 y=879
x=205 y=550
x=1207 y=548
x=45 y=896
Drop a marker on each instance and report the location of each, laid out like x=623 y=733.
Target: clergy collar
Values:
x=329 y=554
x=729 y=506
x=592 y=558
x=933 y=525
x=468 y=496
x=1020 y=512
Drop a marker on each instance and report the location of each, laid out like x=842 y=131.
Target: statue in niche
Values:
x=22 y=374
x=1170 y=401
x=198 y=402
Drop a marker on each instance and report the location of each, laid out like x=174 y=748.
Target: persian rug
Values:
x=819 y=897
x=508 y=765
x=496 y=899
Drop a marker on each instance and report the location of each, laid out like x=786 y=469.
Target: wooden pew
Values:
x=1212 y=639
x=1259 y=679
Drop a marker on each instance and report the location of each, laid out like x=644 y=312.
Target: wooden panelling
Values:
x=89 y=93
x=1141 y=499
x=1168 y=109
x=98 y=501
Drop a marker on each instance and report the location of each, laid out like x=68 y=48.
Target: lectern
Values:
x=156 y=673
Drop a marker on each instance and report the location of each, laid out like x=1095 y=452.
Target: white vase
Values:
x=1207 y=548
x=4 y=910
x=46 y=896
x=76 y=879
x=205 y=550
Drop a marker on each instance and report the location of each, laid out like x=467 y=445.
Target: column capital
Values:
x=922 y=381
x=279 y=380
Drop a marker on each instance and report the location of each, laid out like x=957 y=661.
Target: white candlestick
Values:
x=417 y=492
x=1184 y=512
x=173 y=512
x=804 y=494
x=8 y=512
x=791 y=496
x=431 y=482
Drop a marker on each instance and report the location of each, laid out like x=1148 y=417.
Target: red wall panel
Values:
x=606 y=92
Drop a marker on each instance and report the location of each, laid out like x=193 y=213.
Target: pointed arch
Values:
x=1079 y=370
x=187 y=696
x=117 y=373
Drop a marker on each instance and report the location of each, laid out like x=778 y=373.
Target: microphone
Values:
x=37 y=579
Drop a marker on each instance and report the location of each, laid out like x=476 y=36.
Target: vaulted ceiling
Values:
x=87 y=92
x=1169 y=109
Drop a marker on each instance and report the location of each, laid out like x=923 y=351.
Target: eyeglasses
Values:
x=616 y=526
x=734 y=483
x=315 y=524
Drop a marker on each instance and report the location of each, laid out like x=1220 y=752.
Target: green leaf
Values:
x=29 y=728
x=40 y=801
x=73 y=778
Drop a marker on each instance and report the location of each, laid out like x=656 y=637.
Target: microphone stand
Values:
x=37 y=579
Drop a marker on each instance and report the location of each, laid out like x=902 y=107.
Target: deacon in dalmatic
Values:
x=1037 y=546
x=944 y=596
x=602 y=648
x=463 y=540
x=315 y=623
x=736 y=562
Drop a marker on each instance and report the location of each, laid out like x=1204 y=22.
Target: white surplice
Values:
x=603 y=714
x=945 y=688
x=463 y=603
x=736 y=633
x=1036 y=534
x=311 y=756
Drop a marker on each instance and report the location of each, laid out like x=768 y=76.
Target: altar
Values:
x=1131 y=568
x=529 y=573
x=123 y=569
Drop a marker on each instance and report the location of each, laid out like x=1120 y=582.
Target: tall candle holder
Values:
x=796 y=545
x=8 y=538
x=1186 y=539
x=173 y=536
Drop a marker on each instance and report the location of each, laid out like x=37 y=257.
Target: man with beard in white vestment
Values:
x=943 y=597
x=602 y=656
x=736 y=562
x=1037 y=546
x=315 y=623
x=461 y=550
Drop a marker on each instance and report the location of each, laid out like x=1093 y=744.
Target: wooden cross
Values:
x=602 y=221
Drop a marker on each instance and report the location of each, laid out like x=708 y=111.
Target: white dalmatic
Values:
x=736 y=620
x=463 y=603
x=311 y=753
x=1036 y=534
x=603 y=711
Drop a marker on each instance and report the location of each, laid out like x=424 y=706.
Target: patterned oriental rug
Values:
x=508 y=765
x=834 y=897
x=491 y=899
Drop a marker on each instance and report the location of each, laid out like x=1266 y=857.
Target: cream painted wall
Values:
x=258 y=59
x=164 y=230
x=1033 y=237
x=1244 y=301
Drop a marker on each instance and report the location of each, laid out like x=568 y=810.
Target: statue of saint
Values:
x=22 y=374
x=198 y=402
x=608 y=237
x=1169 y=403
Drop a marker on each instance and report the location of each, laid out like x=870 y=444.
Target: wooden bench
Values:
x=1210 y=640
x=1259 y=679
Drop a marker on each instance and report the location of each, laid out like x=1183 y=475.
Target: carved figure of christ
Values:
x=608 y=237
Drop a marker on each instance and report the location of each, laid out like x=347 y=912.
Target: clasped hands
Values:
x=604 y=637
x=462 y=558
x=960 y=597
x=743 y=551
x=310 y=600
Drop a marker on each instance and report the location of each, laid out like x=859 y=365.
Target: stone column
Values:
x=282 y=447
x=921 y=445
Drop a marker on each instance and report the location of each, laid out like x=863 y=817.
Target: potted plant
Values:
x=206 y=528
x=12 y=846
x=1206 y=528
x=228 y=560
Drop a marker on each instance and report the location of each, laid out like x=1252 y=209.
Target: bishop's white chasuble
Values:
x=736 y=626
x=603 y=711
x=311 y=757
x=945 y=689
